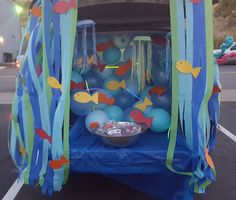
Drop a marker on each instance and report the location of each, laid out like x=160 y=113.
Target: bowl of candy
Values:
x=119 y=134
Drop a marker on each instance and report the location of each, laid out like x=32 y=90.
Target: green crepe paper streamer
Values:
x=46 y=87
x=28 y=120
x=73 y=21
x=16 y=130
x=175 y=90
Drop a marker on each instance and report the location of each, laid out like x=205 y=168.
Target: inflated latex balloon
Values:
x=112 y=92
x=161 y=120
x=103 y=38
x=132 y=86
x=97 y=117
x=163 y=101
x=127 y=116
x=93 y=79
x=80 y=109
x=112 y=55
x=106 y=73
x=76 y=77
x=159 y=78
x=145 y=92
x=122 y=40
x=114 y=113
x=128 y=53
x=124 y=100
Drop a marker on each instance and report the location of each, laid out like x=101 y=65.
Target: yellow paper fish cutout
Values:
x=114 y=85
x=54 y=83
x=185 y=67
x=85 y=97
x=143 y=106
x=209 y=159
x=89 y=61
x=22 y=151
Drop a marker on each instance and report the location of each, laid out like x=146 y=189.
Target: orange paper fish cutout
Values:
x=157 y=90
x=102 y=47
x=215 y=89
x=94 y=125
x=115 y=85
x=36 y=11
x=57 y=164
x=41 y=133
x=122 y=70
x=209 y=160
x=64 y=6
x=74 y=85
x=139 y=118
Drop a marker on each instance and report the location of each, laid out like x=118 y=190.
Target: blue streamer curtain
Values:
x=197 y=105
x=39 y=142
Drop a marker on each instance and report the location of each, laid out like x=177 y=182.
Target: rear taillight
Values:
x=17 y=64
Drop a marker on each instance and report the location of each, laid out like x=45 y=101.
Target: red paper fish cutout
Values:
x=38 y=70
x=160 y=40
x=94 y=125
x=57 y=164
x=122 y=70
x=100 y=66
x=36 y=11
x=102 y=47
x=41 y=133
x=64 y=6
x=74 y=85
x=195 y=1
x=157 y=90
x=102 y=98
x=215 y=89
x=139 y=118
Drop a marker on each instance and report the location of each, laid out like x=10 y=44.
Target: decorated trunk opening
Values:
x=127 y=104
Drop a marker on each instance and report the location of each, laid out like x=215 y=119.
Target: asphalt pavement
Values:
x=95 y=186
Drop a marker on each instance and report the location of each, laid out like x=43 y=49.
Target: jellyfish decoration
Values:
x=142 y=60
x=83 y=25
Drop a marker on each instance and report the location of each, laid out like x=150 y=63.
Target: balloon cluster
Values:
x=106 y=91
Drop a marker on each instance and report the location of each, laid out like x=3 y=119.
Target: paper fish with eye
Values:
x=139 y=118
x=122 y=70
x=85 y=97
x=54 y=83
x=57 y=164
x=115 y=85
x=36 y=11
x=89 y=61
x=143 y=105
x=64 y=6
x=186 y=68
x=157 y=90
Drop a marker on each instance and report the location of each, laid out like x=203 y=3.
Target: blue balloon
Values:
x=97 y=116
x=132 y=86
x=163 y=101
x=103 y=38
x=127 y=116
x=114 y=113
x=112 y=92
x=145 y=91
x=111 y=56
x=93 y=79
x=161 y=120
x=128 y=53
x=76 y=77
x=80 y=109
x=159 y=78
x=124 y=100
x=106 y=73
